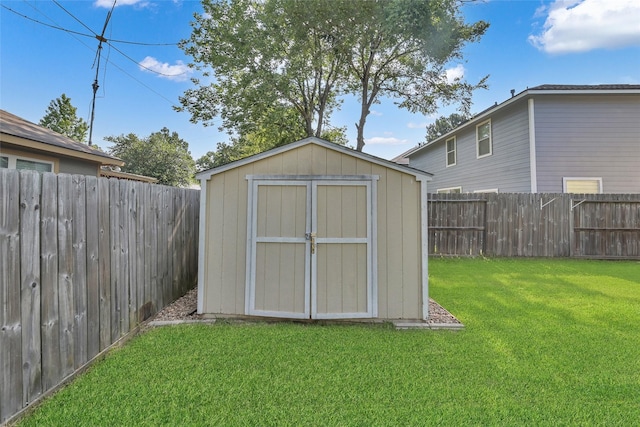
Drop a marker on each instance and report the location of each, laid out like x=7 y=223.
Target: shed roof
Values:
x=204 y=175
x=546 y=89
x=33 y=136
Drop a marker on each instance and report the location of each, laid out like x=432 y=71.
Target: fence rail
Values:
x=83 y=260
x=535 y=225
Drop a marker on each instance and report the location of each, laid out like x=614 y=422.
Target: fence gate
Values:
x=604 y=229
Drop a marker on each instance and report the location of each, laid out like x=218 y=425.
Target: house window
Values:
x=449 y=190
x=582 y=185
x=10 y=161
x=451 y=151
x=483 y=139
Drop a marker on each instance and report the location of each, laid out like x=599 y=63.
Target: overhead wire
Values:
x=79 y=21
x=57 y=27
x=109 y=42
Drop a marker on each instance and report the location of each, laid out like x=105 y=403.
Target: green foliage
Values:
x=302 y=55
x=162 y=155
x=61 y=117
x=401 y=50
x=546 y=342
x=280 y=127
x=442 y=125
x=266 y=57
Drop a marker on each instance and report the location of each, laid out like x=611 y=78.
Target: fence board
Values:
x=123 y=273
x=132 y=236
x=65 y=274
x=79 y=237
x=30 y=284
x=50 y=334
x=10 y=327
x=104 y=263
x=84 y=260
x=114 y=233
x=93 y=267
x=140 y=250
x=548 y=225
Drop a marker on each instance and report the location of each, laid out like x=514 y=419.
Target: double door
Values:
x=311 y=249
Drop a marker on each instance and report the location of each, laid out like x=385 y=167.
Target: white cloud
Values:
x=584 y=25
x=379 y=140
x=109 y=3
x=375 y=113
x=412 y=125
x=454 y=74
x=178 y=72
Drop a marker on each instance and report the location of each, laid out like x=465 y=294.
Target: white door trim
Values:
x=253 y=239
x=310 y=286
x=372 y=291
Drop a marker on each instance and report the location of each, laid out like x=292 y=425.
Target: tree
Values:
x=61 y=117
x=305 y=54
x=276 y=129
x=442 y=125
x=399 y=49
x=265 y=56
x=162 y=155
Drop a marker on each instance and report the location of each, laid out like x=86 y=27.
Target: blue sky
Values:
x=528 y=43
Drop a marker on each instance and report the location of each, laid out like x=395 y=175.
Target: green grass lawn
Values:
x=547 y=342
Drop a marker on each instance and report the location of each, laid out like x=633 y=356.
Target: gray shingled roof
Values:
x=584 y=87
x=549 y=88
x=10 y=124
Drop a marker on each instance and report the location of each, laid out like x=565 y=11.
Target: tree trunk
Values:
x=364 y=112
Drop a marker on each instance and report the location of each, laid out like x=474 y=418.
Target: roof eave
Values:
x=205 y=175
x=50 y=148
x=522 y=95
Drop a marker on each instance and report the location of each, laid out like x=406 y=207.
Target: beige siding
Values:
x=280 y=277
x=342 y=278
x=398 y=265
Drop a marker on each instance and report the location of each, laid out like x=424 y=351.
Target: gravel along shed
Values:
x=313 y=230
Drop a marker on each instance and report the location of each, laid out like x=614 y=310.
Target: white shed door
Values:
x=311 y=249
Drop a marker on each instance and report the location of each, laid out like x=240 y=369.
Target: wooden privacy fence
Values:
x=603 y=226
x=83 y=260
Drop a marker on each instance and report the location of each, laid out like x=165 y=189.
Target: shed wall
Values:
x=398 y=261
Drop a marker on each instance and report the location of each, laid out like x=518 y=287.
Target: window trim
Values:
x=13 y=158
x=448 y=190
x=566 y=179
x=490 y=153
x=454 y=151
x=34 y=157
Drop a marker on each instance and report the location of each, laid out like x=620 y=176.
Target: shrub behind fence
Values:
x=83 y=260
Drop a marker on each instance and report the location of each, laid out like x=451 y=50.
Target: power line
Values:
x=56 y=27
x=79 y=21
x=45 y=24
x=142 y=66
x=109 y=42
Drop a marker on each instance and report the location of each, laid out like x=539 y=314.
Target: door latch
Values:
x=312 y=238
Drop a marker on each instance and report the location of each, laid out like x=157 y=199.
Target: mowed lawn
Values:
x=547 y=342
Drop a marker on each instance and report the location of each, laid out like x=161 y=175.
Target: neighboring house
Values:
x=546 y=139
x=25 y=145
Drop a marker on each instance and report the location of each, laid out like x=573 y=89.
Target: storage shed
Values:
x=313 y=230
